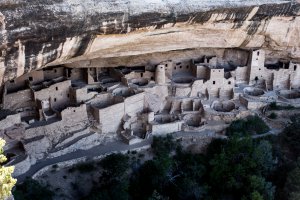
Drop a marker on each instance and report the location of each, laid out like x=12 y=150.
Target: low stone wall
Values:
x=160 y=129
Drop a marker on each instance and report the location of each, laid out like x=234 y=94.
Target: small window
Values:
x=54 y=99
x=214 y=82
x=256 y=78
x=161 y=67
x=12 y=81
x=180 y=66
x=175 y=68
x=74 y=110
x=229 y=82
x=55 y=71
x=166 y=65
x=142 y=74
x=258 y=53
x=68 y=95
x=152 y=78
x=259 y=69
x=187 y=66
x=30 y=78
x=56 y=88
x=295 y=67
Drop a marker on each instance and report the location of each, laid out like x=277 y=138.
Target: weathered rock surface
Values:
x=36 y=33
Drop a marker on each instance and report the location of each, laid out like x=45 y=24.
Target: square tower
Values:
x=257 y=66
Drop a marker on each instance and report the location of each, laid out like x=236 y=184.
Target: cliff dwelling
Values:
x=67 y=108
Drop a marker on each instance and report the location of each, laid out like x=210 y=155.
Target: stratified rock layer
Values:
x=37 y=33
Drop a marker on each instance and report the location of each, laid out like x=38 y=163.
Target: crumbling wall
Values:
x=58 y=93
x=73 y=115
x=18 y=100
x=50 y=74
x=21 y=82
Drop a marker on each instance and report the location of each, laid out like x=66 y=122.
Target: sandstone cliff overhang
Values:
x=37 y=33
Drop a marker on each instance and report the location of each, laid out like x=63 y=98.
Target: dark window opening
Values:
x=214 y=82
x=68 y=95
x=174 y=67
x=54 y=99
x=180 y=67
x=74 y=110
x=229 y=82
x=256 y=78
x=259 y=69
x=187 y=66
x=258 y=53
x=56 y=88
x=142 y=74
x=152 y=78
x=12 y=81
x=30 y=78
x=55 y=71
x=295 y=67
x=166 y=65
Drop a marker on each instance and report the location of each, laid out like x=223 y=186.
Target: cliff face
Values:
x=37 y=33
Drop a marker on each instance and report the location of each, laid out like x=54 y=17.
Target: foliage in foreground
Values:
x=237 y=169
x=6 y=180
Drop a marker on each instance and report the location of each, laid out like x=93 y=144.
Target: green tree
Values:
x=290 y=137
x=248 y=126
x=6 y=180
x=32 y=190
x=114 y=181
x=292 y=186
x=241 y=167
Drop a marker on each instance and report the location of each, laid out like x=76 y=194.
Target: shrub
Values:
x=272 y=116
x=85 y=167
x=163 y=145
x=250 y=125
